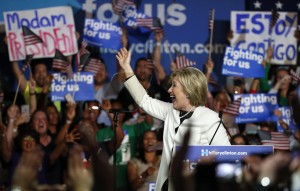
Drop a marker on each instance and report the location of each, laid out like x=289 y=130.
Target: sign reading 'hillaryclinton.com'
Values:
x=247 y=64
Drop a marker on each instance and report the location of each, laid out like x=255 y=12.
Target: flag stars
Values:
x=279 y=5
x=257 y=5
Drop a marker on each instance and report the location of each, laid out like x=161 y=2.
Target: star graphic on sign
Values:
x=257 y=5
x=279 y=5
x=298 y=5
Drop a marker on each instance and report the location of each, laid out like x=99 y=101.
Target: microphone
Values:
x=118 y=111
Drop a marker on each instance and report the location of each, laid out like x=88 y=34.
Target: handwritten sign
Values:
x=81 y=86
x=239 y=62
x=256 y=108
x=252 y=31
x=54 y=25
x=102 y=34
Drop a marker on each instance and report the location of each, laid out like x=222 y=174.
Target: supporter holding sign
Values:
x=54 y=25
x=238 y=62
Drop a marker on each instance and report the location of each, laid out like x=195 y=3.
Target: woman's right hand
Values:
x=124 y=57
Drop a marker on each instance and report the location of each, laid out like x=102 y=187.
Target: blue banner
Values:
x=243 y=63
x=232 y=153
x=256 y=108
x=103 y=34
x=129 y=16
x=81 y=87
x=287 y=117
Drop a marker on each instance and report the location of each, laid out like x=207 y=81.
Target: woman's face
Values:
x=28 y=143
x=52 y=115
x=179 y=97
x=149 y=141
x=221 y=102
x=40 y=122
x=93 y=111
x=285 y=83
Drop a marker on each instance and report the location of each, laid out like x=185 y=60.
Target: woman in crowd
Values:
x=143 y=169
x=188 y=92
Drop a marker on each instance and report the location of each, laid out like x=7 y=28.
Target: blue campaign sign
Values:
x=256 y=108
x=151 y=186
x=81 y=87
x=232 y=153
x=102 y=33
x=287 y=117
x=243 y=63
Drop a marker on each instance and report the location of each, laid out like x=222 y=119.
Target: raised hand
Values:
x=124 y=57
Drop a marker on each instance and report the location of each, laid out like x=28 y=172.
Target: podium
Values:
x=232 y=153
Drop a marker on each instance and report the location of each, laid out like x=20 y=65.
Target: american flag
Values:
x=233 y=108
x=82 y=56
x=30 y=37
x=279 y=5
x=60 y=63
x=182 y=62
x=118 y=5
x=211 y=19
x=151 y=23
x=295 y=77
x=27 y=62
x=279 y=140
x=84 y=59
x=94 y=65
x=274 y=18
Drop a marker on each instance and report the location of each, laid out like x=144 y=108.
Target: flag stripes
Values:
x=30 y=38
x=295 y=77
x=233 y=108
x=94 y=65
x=151 y=23
x=279 y=140
x=211 y=19
x=182 y=62
x=120 y=4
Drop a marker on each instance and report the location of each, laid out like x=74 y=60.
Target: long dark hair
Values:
x=140 y=153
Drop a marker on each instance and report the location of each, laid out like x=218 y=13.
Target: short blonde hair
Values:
x=194 y=84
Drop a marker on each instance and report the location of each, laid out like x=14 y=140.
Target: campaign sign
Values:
x=55 y=26
x=102 y=33
x=256 y=108
x=287 y=117
x=130 y=14
x=232 y=153
x=253 y=31
x=244 y=63
x=81 y=86
x=151 y=186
